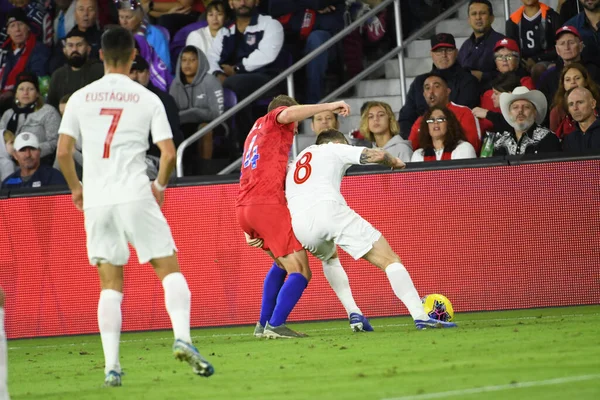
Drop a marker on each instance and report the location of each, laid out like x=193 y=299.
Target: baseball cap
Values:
x=568 y=29
x=26 y=139
x=139 y=64
x=508 y=44
x=442 y=40
x=16 y=14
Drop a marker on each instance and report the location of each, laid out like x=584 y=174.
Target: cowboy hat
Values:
x=535 y=97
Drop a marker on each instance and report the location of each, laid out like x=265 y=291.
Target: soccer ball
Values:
x=438 y=307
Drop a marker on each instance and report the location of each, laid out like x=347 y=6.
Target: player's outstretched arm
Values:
x=302 y=112
x=64 y=154
x=377 y=156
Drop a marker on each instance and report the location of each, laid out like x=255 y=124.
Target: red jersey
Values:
x=266 y=154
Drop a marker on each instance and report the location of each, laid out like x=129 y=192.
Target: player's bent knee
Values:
x=165 y=265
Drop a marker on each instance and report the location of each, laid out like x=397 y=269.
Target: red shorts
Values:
x=271 y=223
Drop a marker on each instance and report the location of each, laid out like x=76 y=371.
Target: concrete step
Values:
x=412 y=67
x=422 y=48
x=381 y=87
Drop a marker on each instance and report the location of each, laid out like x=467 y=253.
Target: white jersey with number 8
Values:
x=113 y=117
x=316 y=175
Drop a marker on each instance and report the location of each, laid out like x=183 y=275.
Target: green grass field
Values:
x=549 y=353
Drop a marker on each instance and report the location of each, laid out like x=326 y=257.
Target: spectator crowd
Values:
x=532 y=90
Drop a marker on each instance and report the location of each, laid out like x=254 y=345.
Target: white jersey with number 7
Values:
x=316 y=175
x=113 y=117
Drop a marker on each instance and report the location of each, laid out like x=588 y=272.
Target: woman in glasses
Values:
x=378 y=125
x=508 y=61
x=442 y=138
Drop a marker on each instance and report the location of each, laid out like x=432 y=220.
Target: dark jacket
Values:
x=37 y=62
x=536 y=140
x=332 y=22
x=66 y=81
x=44 y=176
x=464 y=91
x=582 y=142
x=258 y=49
x=172 y=116
x=551 y=22
x=590 y=37
x=478 y=55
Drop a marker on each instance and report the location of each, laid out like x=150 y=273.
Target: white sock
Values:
x=109 y=322
x=3 y=360
x=337 y=278
x=178 y=303
x=404 y=289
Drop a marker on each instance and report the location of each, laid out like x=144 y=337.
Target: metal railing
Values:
x=287 y=74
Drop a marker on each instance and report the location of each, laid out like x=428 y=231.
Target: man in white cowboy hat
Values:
x=525 y=110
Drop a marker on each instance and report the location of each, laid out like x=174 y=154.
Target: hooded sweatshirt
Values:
x=399 y=147
x=201 y=100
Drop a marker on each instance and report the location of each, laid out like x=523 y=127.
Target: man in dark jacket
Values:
x=464 y=86
x=477 y=53
x=569 y=47
x=307 y=25
x=586 y=23
x=586 y=137
x=140 y=72
x=31 y=174
x=77 y=73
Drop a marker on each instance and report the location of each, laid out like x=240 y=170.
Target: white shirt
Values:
x=463 y=150
x=114 y=168
x=201 y=38
x=316 y=175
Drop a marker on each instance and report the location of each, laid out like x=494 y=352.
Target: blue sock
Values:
x=290 y=293
x=273 y=283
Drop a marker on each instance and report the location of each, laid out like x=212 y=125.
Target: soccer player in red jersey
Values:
x=263 y=214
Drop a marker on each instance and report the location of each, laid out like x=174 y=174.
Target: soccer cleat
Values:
x=358 y=323
x=259 y=330
x=433 y=323
x=112 y=379
x=281 y=331
x=187 y=352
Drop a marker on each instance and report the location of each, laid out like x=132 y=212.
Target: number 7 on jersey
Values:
x=115 y=113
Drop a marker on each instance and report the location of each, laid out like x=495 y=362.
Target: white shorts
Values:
x=328 y=224
x=109 y=229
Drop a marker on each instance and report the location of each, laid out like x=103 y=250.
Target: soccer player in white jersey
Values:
x=3 y=354
x=113 y=117
x=321 y=219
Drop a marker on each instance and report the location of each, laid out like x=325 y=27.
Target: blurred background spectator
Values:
x=582 y=107
x=379 y=126
x=64 y=19
x=464 y=87
x=39 y=19
x=489 y=114
x=324 y=120
x=199 y=97
x=568 y=9
x=20 y=52
x=437 y=94
x=152 y=41
x=247 y=56
x=173 y=14
x=572 y=76
x=587 y=24
x=441 y=137
x=476 y=53
x=30 y=114
x=30 y=173
x=216 y=16
x=78 y=71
